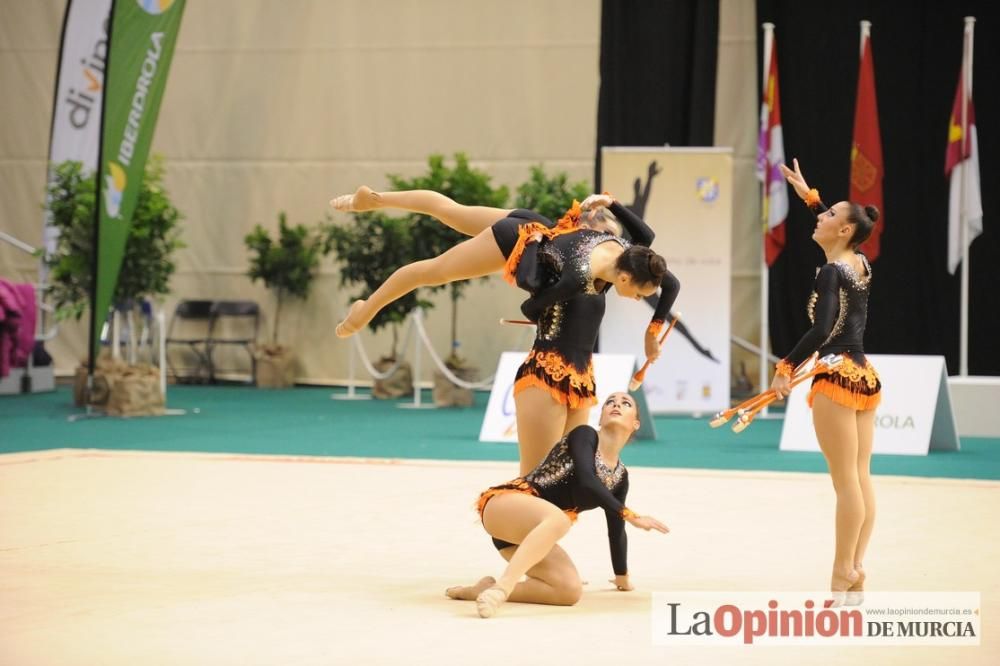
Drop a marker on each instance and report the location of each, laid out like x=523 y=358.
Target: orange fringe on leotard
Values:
x=562 y=380
x=572 y=400
x=518 y=485
x=849 y=384
x=567 y=223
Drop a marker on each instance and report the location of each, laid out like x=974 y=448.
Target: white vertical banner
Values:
x=76 y=109
x=689 y=207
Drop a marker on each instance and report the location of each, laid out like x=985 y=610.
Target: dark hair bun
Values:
x=872 y=213
x=644 y=265
x=657 y=267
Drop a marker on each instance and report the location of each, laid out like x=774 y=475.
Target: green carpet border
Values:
x=305 y=421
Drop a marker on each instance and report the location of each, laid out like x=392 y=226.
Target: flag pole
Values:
x=963 y=352
x=93 y=349
x=764 y=272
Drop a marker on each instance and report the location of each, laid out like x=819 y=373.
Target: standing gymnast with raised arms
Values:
x=844 y=399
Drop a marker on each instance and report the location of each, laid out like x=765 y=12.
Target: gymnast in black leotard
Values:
x=484 y=253
x=844 y=399
x=498 y=238
x=527 y=516
x=569 y=276
x=556 y=388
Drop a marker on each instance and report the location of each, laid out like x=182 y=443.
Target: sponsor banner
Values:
x=915 y=414
x=816 y=619
x=76 y=113
x=141 y=45
x=685 y=196
x=76 y=110
x=612 y=372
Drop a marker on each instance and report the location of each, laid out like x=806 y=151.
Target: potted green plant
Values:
x=286 y=265
x=153 y=236
x=549 y=195
x=431 y=238
x=147 y=264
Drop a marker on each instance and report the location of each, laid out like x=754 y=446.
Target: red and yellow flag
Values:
x=770 y=156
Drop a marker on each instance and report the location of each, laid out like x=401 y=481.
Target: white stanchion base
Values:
x=89 y=414
x=417 y=404
x=350 y=395
x=94 y=414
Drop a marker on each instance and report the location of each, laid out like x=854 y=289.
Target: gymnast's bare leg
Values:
x=468 y=220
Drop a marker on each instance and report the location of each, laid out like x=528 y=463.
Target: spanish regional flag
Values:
x=770 y=155
x=866 y=151
x=962 y=159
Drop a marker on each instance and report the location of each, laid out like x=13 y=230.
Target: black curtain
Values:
x=657 y=74
x=917 y=48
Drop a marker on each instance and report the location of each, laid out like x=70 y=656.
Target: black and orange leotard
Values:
x=574 y=477
x=838 y=310
x=513 y=232
x=568 y=307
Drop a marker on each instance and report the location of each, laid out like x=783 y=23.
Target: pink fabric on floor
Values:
x=18 y=313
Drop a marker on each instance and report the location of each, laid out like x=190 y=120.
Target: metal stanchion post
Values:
x=416 y=404
x=351 y=394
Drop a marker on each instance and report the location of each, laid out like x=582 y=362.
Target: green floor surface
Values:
x=305 y=421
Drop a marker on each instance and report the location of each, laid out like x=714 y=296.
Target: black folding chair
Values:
x=191 y=327
x=235 y=325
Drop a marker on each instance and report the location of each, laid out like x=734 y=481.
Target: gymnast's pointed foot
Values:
x=363 y=199
x=489 y=601
x=856 y=593
x=353 y=322
x=840 y=583
x=470 y=592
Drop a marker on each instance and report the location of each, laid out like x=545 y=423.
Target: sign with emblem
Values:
x=612 y=372
x=915 y=414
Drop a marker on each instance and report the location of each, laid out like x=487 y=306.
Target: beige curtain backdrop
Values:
x=737 y=101
x=279 y=106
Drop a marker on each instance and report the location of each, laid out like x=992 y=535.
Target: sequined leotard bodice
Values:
x=573 y=476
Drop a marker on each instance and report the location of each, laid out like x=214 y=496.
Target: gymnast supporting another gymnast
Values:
x=527 y=517
x=568 y=266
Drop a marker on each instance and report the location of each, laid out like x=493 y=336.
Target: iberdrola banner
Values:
x=141 y=44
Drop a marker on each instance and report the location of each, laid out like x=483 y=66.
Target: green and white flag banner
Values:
x=140 y=48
